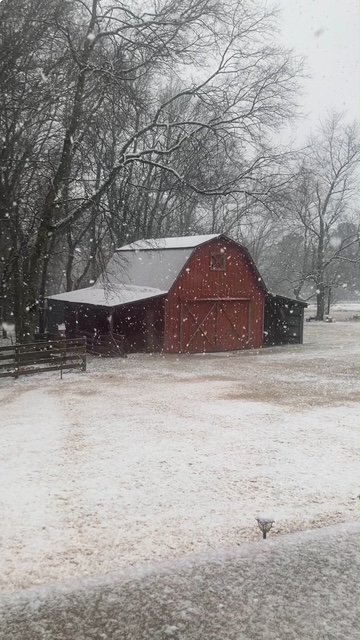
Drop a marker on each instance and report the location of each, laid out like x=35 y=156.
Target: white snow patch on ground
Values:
x=152 y=457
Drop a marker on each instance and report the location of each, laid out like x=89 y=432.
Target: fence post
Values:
x=61 y=360
x=17 y=362
x=84 y=355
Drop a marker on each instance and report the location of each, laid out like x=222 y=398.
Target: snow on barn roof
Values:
x=154 y=244
x=154 y=269
x=155 y=262
x=108 y=295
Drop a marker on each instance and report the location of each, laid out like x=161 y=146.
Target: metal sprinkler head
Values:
x=265 y=525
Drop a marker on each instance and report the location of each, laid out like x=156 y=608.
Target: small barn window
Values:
x=217 y=262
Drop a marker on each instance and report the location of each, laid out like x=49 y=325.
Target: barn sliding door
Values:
x=198 y=326
x=214 y=325
x=233 y=325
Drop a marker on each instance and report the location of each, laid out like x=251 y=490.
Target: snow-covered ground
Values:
x=151 y=457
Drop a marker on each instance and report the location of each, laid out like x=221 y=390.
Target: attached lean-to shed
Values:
x=176 y=295
x=284 y=320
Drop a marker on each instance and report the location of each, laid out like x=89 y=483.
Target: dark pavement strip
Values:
x=299 y=586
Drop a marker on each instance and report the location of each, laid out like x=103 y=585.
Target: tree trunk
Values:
x=320 y=271
x=328 y=301
x=25 y=319
x=42 y=289
x=320 y=301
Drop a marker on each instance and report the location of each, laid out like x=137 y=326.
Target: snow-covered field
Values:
x=152 y=457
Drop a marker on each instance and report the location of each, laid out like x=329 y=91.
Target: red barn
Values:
x=176 y=295
x=217 y=301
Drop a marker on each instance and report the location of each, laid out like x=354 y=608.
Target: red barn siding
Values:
x=210 y=310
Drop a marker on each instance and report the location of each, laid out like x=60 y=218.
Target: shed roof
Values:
x=108 y=296
x=285 y=299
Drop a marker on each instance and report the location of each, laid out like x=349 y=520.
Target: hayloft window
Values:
x=217 y=262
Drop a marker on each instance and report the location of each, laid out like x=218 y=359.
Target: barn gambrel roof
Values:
x=142 y=270
x=158 y=262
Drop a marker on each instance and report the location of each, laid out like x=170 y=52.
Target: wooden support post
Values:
x=84 y=356
x=150 y=330
x=17 y=362
x=62 y=359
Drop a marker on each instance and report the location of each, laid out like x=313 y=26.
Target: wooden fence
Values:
x=106 y=345
x=39 y=357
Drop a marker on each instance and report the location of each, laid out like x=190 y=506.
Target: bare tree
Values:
x=97 y=69
x=320 y=228
x=28 y=116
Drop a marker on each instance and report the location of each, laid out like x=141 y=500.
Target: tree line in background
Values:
x=149 y=119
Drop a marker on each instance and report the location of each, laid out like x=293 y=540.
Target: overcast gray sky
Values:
x=326 y=31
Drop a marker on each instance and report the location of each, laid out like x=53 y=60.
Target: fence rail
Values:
x=40 y=357
x=105 y=345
